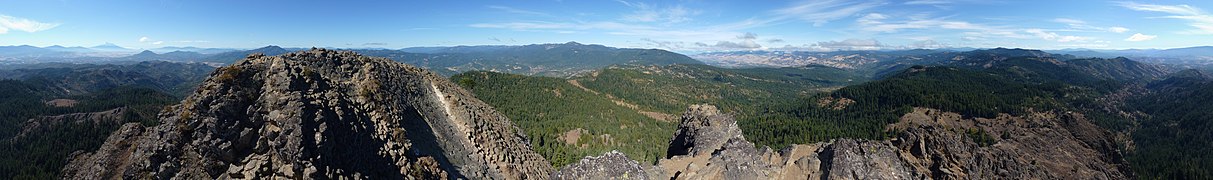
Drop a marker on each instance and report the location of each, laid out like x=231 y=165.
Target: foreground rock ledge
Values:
x=931 y=145
x=318 y=114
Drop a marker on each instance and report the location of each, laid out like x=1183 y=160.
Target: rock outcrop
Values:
x=611 y=165
x=929 y=145
x=45 y=124
x=319 y=114
x=1040 y=145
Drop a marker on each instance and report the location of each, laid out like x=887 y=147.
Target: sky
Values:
x=676 y=25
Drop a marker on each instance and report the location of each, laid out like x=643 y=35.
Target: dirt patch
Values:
x=658 y=116
x=556 y=92
x=835 y=103
x=62 y=103
x=578 y=85
x=570 y=137
x=655 y=115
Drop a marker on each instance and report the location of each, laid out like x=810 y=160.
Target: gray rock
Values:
x=611 y=165
x=319 y=114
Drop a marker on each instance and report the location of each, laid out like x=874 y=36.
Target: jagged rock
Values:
x=611 y=165
x=703 y=130
x=716 y=149
x=709 y=145
x=852 y=159
x=319 y=114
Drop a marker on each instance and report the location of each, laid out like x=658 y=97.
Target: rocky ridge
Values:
x=318 y=114
x=929 y=144
x=47 y=123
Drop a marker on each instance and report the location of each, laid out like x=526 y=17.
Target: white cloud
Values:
x=144 y=39
x=1140 y=37
x=1080 y=25
x=22 y=24
x=158 y=42
x=926 y=44
x=1199 y=19
x=1069 y=21
x=1055 y=37
x=821 y=12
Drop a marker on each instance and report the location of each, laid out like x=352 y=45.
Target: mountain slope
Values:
x=316 y=114
x=566 y=122
x=1175 y=143
x=669 y=89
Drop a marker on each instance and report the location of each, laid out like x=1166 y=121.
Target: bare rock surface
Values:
x=319 y=114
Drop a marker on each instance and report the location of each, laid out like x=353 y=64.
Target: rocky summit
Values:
x=930 y=144
x=319 y=114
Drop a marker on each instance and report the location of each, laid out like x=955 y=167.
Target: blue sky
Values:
x=683 y=26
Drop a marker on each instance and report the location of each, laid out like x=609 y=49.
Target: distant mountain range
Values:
x=858 y=59
x=572 y=58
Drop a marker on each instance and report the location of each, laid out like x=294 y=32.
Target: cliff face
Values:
x=316 y=114
x=929 y=145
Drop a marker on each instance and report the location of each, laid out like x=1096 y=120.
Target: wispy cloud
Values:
x=821 y=12
x=22 y=24
x=144 y=39
x=517 y=11
x=875 y=22
x=1140 y=37
x=1197 y=18
x=1081 y=25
